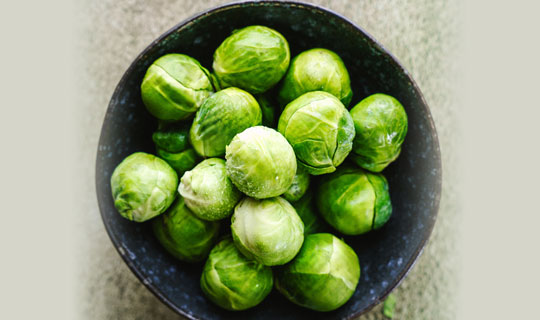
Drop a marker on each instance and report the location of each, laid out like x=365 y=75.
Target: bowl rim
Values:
x=374 y=43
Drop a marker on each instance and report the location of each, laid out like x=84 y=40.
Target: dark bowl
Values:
x=415 y=178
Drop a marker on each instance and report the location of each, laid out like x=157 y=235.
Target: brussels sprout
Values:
x=174 y=87
x=207 y=190
x=307 y=211
x=381 y=124
x=323 y=276
x=316 y=70
x=181 y=161
x=143 y=186
x=232 y=281
x=268 y=231
x=269 y=112
x=354 y=201
x=220 y=118
x=299 y=185
x=254 y=58
x=183 y=235
x=172 y=138
x=215 y=82
x=260 y=162
x=320 y=130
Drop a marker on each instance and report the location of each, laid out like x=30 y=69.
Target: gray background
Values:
x=109 y=34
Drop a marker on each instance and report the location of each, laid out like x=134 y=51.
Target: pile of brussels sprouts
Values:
x=266 y=150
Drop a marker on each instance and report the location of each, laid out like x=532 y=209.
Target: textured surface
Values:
x=114 y=33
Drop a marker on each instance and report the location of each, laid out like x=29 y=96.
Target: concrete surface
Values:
x=422 y=34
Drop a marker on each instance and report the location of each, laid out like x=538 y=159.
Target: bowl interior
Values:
x=415 y=178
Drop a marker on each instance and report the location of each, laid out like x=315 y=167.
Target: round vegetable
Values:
x=172 y=137
x=307 y=211
x=320 y=130
x=269 y=112
x=220 y=118
x=180 y=161
x=143 y=186
x=174 y=87
x=323 y=276
x=232 y=281
x=183 y=235
x=207 y=190
x=254 y=58
x=354 y=201
x=316 y=70
x=260 y=162
x=268 y=231
x=381 y=125
x=299 y=185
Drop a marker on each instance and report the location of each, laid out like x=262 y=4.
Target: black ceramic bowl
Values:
x=415 y=178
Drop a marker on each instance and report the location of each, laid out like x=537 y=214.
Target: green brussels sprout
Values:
x=299 y=185
x=172 y=138
x=172 y=145
x=269 y=112
x=215 y=82
x=316 y=70
x=354 y=201
x=320 y=130
x=181 y=161
x=254 y=58
x=323 y=276
x=268 y=231
x=143 y=186
x=175 y=86
x=260 y=162
x=381 y=125
x=183 y=234
x=220 y=118
x=207 y=190
x=232 y=281
x=307 y=211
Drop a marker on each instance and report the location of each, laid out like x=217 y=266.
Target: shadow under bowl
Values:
x=385 y=255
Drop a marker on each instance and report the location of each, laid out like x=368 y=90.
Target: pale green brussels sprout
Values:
x=299 y=185
x=207 y=190
x=254 y=58
x=232 y=281
x=323 y=276
x=320 y=130
x=381 y=125
x=354 y=201
x=269 y=111
x=175 y=86
x=268 y=231
x=260 y=162
x=316 y=70
x=183 y=234
x=307 y=211
x=220 y=118
x=143 y=186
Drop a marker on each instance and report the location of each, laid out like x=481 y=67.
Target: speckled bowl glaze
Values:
x=385 y=255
